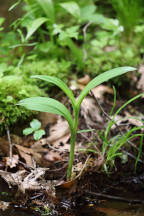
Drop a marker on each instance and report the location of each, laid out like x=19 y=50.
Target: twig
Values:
x=84 y=166
x=85 y=39
x=114 y=197
x=10 y=144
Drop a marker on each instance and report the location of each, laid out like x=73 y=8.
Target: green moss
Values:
x=16 y=84
x=12 y=89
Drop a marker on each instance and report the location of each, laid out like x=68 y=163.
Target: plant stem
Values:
x=72 y=144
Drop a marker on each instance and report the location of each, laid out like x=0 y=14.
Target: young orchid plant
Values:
x=44 y=104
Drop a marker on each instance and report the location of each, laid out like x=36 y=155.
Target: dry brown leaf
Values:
x=90 y=111
x=4 y=205
x=25 y=181
x=28 y=154
x=84 y=80
x=133 y=119
x=62 y=144
x=100 y=90
x=74 y=85
x=60 y=129
x=4 y=146
x=47 y=118
x=52 y=156
x=12 y=162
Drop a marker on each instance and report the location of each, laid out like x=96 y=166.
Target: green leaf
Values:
x=14 y=5
x=87 y=11
x=60 y=84
x=88 y=14
x=71 y=7
x=35 y=124
x=85 y=130
x=50 y=105
x=103 y=78
x=48 y=8
x=2 y=19
x=38 y=134
x=27 y=131
x=34 y=25
x=71 y=32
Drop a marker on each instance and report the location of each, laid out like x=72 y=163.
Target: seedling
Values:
x=50 y=105
x=35 y=128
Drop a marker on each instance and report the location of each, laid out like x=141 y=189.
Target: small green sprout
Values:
x=51 y=105
x=35 y=128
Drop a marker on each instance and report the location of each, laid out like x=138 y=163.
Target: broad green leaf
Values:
x=50 y=105
x=103 y=78
x=71 y=7
x=48 y=8
x=87 y=11
x=88 y=14
x=38 y=134
x=27 y=131
x=60 y=84
x=34 y=25
x=35 y=124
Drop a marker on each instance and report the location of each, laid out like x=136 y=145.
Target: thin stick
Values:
x=85 y=39
x=10 y=144
x=113 y=197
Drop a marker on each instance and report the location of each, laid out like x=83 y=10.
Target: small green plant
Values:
x=111 y=147
x=50 y=105
x=35 y=128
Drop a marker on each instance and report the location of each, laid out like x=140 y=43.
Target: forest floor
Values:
x=33 y=173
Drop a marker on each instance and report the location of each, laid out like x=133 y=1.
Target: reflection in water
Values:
x=110 y=208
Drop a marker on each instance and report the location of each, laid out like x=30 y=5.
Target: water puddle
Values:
x=110 y=208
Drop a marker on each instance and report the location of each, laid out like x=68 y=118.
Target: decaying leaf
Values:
x=47 y=118
x=60 y=129
x=12 y=162
x=100 y=90
x=52 y=156
x=4 y=205
x=84 y=80
x=90 y=111
x=27 y=181
x=28 y=155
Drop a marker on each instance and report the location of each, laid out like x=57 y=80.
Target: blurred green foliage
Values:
x=59 y=38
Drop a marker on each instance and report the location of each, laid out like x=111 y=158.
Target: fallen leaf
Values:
x=47 y=118
x=12 y=162
x=28 y=155
x=100 y=90
x=84 y=80
x=60 y=129
x=4 y=205
x=52 y=156
x=28 y=181
x=90 y=111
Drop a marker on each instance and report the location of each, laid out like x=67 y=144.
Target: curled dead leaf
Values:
x=84 y=80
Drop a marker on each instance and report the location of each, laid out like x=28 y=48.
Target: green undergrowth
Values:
x=15 y=84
